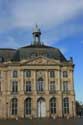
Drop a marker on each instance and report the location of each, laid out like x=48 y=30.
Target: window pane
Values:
x=40 y=85
x=28 y=86
x=52 y=86
x=15 y=74
x=65 y=86
x=53 y=105
x=65 y=74
x=27 y=73
x=14 y=106
x=28 y=106
x=66 y=105
x=15 y=86
x=52 y=74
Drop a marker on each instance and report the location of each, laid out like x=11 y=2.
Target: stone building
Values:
x=36 y=81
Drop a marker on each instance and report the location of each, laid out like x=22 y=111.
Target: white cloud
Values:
x=49 y=14
x=24 y=13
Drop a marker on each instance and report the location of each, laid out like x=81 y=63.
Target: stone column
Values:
x=59 y=105
x=46 y=83
x=21 y=83
x=34 y=100
x=21 y=95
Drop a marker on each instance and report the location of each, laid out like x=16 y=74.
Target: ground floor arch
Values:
x=41 y=108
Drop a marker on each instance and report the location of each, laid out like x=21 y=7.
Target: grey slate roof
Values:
x=33 y=51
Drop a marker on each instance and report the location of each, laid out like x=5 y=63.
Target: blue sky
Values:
x=61 y=23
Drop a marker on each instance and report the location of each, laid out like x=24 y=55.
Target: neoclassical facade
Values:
x=36 y=81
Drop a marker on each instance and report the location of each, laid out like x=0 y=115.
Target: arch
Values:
x=40 y=79
x=27 y=106
x=14 y=106
x=41 y=107
x=53 y=105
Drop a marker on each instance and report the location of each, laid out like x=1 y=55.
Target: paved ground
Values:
x=78 y=121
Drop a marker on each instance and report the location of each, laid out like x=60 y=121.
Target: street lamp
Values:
x=40 y=108
x=7 y=110
x=72 y=109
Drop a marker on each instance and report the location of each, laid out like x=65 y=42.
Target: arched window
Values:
x=28 y=106
x=66 y=105
x=53 y=105
x=40 y=85
x=14 y=106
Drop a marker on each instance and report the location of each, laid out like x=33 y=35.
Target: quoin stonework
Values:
x=36 y=81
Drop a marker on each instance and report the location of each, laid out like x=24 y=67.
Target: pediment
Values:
x=40 y=61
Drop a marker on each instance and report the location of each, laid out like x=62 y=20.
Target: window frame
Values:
x=65 y=86
x=27 y=73
x=66 y=105
x=65 y=74
x=40 y=85
x=28 y=106
x=52 y=74
x=15 y=74
x=53 y=105
x=28 y=86
x=14 y=106
x=52 y=86
x=14 y=87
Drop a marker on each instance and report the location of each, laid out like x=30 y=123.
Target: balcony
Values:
x=52 y=91
x=66 y=92
x=40 y=92
x=28 y=92
x=14 y=93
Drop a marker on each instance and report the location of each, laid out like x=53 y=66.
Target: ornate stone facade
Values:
x=37 y=87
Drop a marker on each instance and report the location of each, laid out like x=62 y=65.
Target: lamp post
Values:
x=6 y=110
x=72 y=109
x=40 y=108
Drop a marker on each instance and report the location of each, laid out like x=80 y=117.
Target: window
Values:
x=14 y=86
x=52 y=86
x=14 y=106
x=1 y=59
x=28 y=106
x=52 y=74
x=53 y=105
x=40 y=85
x=65 y=74
x=66 y=105
x=15 y=74
x=28 y=86
x=27 y=73
x=65 y=86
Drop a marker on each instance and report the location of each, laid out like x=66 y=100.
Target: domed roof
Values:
x=32 y=51
x=38 y=49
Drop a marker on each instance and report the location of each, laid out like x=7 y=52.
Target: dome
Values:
x=32 y=51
